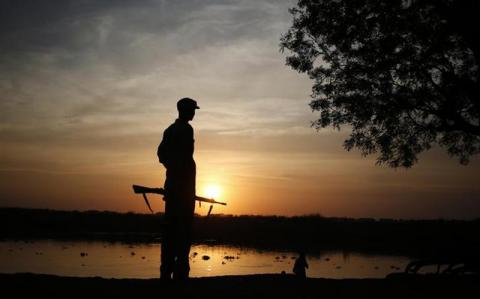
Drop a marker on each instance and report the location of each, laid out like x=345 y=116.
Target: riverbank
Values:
x=257 y=286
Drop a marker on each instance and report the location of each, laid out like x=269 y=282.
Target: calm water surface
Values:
x=118 y=260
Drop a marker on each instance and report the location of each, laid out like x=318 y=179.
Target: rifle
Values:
x=144 y=190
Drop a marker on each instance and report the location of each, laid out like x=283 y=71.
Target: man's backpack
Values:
x=163 y=153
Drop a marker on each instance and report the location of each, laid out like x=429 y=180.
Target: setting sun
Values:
x=212 y=191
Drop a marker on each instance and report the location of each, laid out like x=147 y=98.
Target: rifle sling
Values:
x=146 y=201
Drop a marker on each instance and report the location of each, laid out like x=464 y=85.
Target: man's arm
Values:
x=190 y=140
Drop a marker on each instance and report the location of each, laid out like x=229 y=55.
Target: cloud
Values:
x=85 y=77
x=71 y=65
x=76 y=32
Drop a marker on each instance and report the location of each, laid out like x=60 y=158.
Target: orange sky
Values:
x=87 y=90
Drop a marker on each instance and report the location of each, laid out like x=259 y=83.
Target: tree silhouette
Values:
x=403 y=74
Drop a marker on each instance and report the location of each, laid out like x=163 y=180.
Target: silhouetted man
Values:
x=175 y=152
x=300 y=266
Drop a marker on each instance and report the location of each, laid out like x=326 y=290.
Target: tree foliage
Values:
x=403 y=74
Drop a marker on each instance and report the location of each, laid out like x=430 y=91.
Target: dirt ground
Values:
x=258 y=286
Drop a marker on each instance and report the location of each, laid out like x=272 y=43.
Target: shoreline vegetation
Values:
x=312 y=234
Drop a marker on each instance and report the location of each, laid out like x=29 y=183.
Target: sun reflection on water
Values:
x=118 y=260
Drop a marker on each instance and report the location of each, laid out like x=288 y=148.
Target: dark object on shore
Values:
x=300 y=266
x=205 y=257
x=443 y=265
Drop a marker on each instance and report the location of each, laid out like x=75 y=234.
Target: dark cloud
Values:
x=74 y=31
x=40 y=25
x=72 y=58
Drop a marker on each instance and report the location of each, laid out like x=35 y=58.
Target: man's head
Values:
x=186 y=108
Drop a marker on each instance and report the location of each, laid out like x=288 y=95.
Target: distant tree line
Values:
x=308 y=233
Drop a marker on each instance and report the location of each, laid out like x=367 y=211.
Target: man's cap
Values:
x=187 y=103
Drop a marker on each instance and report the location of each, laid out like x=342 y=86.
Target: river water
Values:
x=120 y=260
